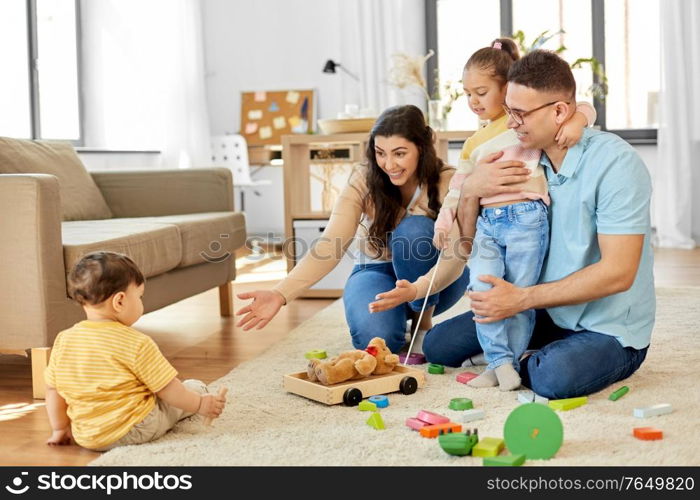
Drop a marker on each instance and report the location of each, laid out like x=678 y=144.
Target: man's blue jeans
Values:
x=413 y=255
x=510 y=243
x=568 y=363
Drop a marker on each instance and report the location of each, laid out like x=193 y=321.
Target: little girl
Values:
x=512 y=230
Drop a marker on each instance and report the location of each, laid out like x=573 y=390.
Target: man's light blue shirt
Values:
x=603 y=187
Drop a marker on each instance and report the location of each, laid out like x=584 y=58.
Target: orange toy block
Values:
x=647 y=433
x=433 y=431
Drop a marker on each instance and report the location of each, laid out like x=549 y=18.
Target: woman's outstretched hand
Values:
x=265 y=305
x=405 y=291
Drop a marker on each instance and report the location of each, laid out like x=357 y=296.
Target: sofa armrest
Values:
x=145 y=193
x=32 y=273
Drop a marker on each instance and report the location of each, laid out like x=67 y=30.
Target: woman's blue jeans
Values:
x=413 y=255
x=568 y=364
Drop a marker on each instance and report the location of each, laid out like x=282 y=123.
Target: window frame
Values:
x=33 y=53
x=632 y=136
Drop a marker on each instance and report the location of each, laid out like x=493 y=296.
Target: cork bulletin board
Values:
x=268 y=115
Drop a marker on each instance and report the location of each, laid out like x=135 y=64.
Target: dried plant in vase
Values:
x=407 y=71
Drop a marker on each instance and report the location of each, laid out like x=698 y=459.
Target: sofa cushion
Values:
x=155 y=248
x=206 y=237
x=80 y=197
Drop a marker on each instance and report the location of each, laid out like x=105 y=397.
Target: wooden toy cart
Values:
x=351 y=392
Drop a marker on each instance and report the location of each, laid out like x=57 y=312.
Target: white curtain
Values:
x=371 y=31
x=143 y=78
x=679 y=130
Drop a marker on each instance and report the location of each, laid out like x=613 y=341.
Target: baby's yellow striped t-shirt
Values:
x=108 y=373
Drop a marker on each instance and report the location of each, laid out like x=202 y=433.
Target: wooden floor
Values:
x=201 y=344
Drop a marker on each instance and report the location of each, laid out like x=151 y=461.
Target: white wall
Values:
x=269 y=45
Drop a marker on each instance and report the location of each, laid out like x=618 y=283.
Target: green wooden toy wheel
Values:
x=533 y=430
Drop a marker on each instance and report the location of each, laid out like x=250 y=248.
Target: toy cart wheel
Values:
x=352 y=397
x=408 y=385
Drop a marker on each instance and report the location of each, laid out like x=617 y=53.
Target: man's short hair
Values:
x=545 y=71
x=99 y=275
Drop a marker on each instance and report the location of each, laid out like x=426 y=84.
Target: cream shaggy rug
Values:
x=263 y=425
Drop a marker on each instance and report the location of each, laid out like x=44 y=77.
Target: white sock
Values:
x=486 y=379
x=508 y=378
x=475 y=360
x=418 y=342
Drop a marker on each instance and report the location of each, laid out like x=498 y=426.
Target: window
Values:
x=621 y=34
x=39 y=92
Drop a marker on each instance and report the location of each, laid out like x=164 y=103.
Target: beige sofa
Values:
x=178 y=225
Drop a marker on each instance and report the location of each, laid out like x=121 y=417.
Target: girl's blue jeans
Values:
x=413 y=255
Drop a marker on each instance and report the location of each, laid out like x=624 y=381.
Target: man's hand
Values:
x=266 y=304
x=571 y=131
x=502 y=301
x=60 y=437
x=405 y=291
x=491 y=177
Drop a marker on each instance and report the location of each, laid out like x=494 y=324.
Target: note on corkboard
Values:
x=268 y=115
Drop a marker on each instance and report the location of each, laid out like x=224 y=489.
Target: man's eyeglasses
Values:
x=519 y=116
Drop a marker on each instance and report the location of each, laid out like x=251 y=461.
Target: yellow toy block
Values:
x=487 y=447
x=568 y=404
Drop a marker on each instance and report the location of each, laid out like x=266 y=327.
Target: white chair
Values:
x=232 y=151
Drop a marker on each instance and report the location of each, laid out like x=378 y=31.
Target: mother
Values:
x=387 y=208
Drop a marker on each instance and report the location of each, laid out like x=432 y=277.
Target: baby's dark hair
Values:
x=99 y=275
x=495 y=60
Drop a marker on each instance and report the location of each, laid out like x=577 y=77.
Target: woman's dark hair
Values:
x=495 y=60
x=99 y=275
x=408 y=122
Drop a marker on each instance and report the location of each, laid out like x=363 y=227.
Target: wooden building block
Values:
x=416 y=424
x=375 y=420
x=471 y=415
x=461 y=404
x=431 y=418
x=619 y=393
x=504 y=460
x=433 y=431
x=653 y=411
x=465 y=377
x=367 y=406
x=488 y=447
x=567 y=404
x=647 y=433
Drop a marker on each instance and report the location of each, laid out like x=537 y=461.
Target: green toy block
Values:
x=568 y=404
x=504 y=460
x=619 y=393
x=488 y=447
x=367 y=406
x=436 y=369
x=375 y=420
x=316 y=354
x=461 y=404
x=458 y=443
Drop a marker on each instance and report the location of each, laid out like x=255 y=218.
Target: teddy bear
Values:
x=376 y=359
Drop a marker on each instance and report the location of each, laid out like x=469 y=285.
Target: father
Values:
x=595 y=298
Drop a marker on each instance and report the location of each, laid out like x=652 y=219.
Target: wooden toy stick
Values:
x=222 y=392
x=422 y=309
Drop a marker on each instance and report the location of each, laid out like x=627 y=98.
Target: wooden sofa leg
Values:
x=226 y=299
x=40 y=360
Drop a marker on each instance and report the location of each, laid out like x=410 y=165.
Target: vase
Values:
x=435 y=118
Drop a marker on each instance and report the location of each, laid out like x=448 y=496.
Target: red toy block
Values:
x=465 y=377
x=433 y=431
x=431 y=418
x=647 y=433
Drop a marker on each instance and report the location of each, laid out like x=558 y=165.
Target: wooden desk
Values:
x=300 y=152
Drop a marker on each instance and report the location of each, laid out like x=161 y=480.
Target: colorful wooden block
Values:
x=416 y=424
x=380 y=401
x=567 y=404
x=316 y=354
x=533 y=430
x=433 y=431
x=436 y=369
x=526 y=397
x=488 y=447
x=431 y=418
x=504 y=460
x=465 y=377
x=414 y=358
x=375 y=420
x=619 y=393
x=367 y=406
x=457 y=443
x=647 y=433
x=461 y=404
x=471 y=415
x=653 y=411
